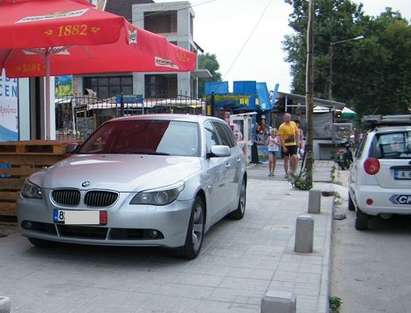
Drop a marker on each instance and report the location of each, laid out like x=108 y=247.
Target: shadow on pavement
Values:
x=400 y=225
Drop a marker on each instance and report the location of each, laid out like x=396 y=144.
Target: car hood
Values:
x=123 y=173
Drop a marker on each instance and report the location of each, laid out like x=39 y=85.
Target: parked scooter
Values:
x=344 y=156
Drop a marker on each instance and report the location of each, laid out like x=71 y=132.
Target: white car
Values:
x=380 y=178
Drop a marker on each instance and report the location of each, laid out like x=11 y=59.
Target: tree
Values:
x=208 y=61
x=372 y=75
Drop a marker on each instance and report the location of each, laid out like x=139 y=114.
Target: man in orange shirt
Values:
x=289 y=139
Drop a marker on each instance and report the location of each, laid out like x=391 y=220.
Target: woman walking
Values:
x=273 y=149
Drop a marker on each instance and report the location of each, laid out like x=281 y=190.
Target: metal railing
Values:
x=78 y=116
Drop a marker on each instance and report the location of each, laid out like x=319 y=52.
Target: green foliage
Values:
x=335 y=304
x=372 y=75
x=302 y=182
x=208 y=61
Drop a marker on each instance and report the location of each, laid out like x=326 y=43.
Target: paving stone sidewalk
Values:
x=241 y=260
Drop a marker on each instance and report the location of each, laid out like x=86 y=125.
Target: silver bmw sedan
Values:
x=151 y=180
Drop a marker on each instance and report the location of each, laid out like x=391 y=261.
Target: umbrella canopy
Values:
x=45 y=23
x=348 y=114
x=136 y=50
x=57 y=37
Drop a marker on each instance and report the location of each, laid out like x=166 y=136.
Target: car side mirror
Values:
x=218 y=151
x=72 y=148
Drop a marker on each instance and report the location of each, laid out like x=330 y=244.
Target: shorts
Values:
x=291 y=150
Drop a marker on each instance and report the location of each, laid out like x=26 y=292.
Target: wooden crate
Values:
x=18 y=160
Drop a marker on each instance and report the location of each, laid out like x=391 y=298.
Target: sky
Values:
x=223 y=26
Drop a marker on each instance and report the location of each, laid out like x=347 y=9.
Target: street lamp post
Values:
x=331 y=55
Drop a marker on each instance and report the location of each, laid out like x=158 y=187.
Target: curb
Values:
x=325 y=290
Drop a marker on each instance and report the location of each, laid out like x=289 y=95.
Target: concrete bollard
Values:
x=278 y=302
x=5 y=305
x=304 y=234
x=314 y=202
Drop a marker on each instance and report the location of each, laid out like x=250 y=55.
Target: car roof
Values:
x=168 y=117
x=389 y=129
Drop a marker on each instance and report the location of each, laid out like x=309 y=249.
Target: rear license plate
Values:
x=402 y=174
x=401 y=199
x=80 y=217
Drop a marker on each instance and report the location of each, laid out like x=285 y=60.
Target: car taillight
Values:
x=372 y=166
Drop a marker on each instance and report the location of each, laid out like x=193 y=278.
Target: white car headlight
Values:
x=160 y=196
x=31 y=191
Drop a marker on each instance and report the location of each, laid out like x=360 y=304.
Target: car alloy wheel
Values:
x=198 y=227
x=242 y=202
x=243 y=198
x=195 y=232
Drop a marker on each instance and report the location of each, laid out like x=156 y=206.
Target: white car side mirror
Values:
x=218 y=151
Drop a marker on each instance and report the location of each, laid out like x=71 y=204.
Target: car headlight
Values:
x=160 y=196
x=31 y=191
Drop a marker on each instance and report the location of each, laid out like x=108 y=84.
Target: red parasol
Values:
x=58 y=37
x=137 y=50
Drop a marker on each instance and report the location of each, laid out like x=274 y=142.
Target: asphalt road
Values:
x=372 y=269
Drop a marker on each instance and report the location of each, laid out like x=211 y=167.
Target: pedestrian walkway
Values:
x=241 y=260
x=322 y=171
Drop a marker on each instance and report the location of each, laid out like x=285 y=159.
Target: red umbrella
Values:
x=136 y=50
x=57 y=37
x=51 y=23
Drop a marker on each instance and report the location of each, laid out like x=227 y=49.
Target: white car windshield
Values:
x=158 y=137
x=395 y=145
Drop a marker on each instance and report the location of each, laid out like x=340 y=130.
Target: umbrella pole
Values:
x=47 y=98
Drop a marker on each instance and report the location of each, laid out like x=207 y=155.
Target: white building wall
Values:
x=183 y=38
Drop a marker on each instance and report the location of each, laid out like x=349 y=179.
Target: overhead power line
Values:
x=248 y=38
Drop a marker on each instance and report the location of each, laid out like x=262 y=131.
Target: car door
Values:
x=356 y=163
x=233 y=164
x=215 y=176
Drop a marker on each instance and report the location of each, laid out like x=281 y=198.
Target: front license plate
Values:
x=80 y=217
x=401 y=199
x=402 y=174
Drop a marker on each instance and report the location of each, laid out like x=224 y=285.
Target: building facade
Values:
x=175 y=21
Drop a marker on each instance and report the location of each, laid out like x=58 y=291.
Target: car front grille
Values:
x=82 y=232
x=100 y=198
x=69 y=197
x=135 y=234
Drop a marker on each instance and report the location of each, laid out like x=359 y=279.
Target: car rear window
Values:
x=392 y=145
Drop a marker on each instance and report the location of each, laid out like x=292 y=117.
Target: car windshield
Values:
x=396 y=145
x=157 y=137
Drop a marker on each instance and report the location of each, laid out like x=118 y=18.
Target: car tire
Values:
x=195 y=232
x=39 y=243
x=351 y=205
x=361 y=220
x=238 y=214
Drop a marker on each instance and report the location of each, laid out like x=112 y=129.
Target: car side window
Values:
x=230 y=134
x=212 y=138
x=224 y=134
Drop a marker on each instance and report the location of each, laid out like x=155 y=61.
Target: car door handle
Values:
x=227 y=165
x=239 y=160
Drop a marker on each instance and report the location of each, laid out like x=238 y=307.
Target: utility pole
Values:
x=309 y=95
x=330 y=78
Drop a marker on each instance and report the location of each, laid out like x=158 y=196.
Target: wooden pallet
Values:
x=18 y=160
x=35 y=146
